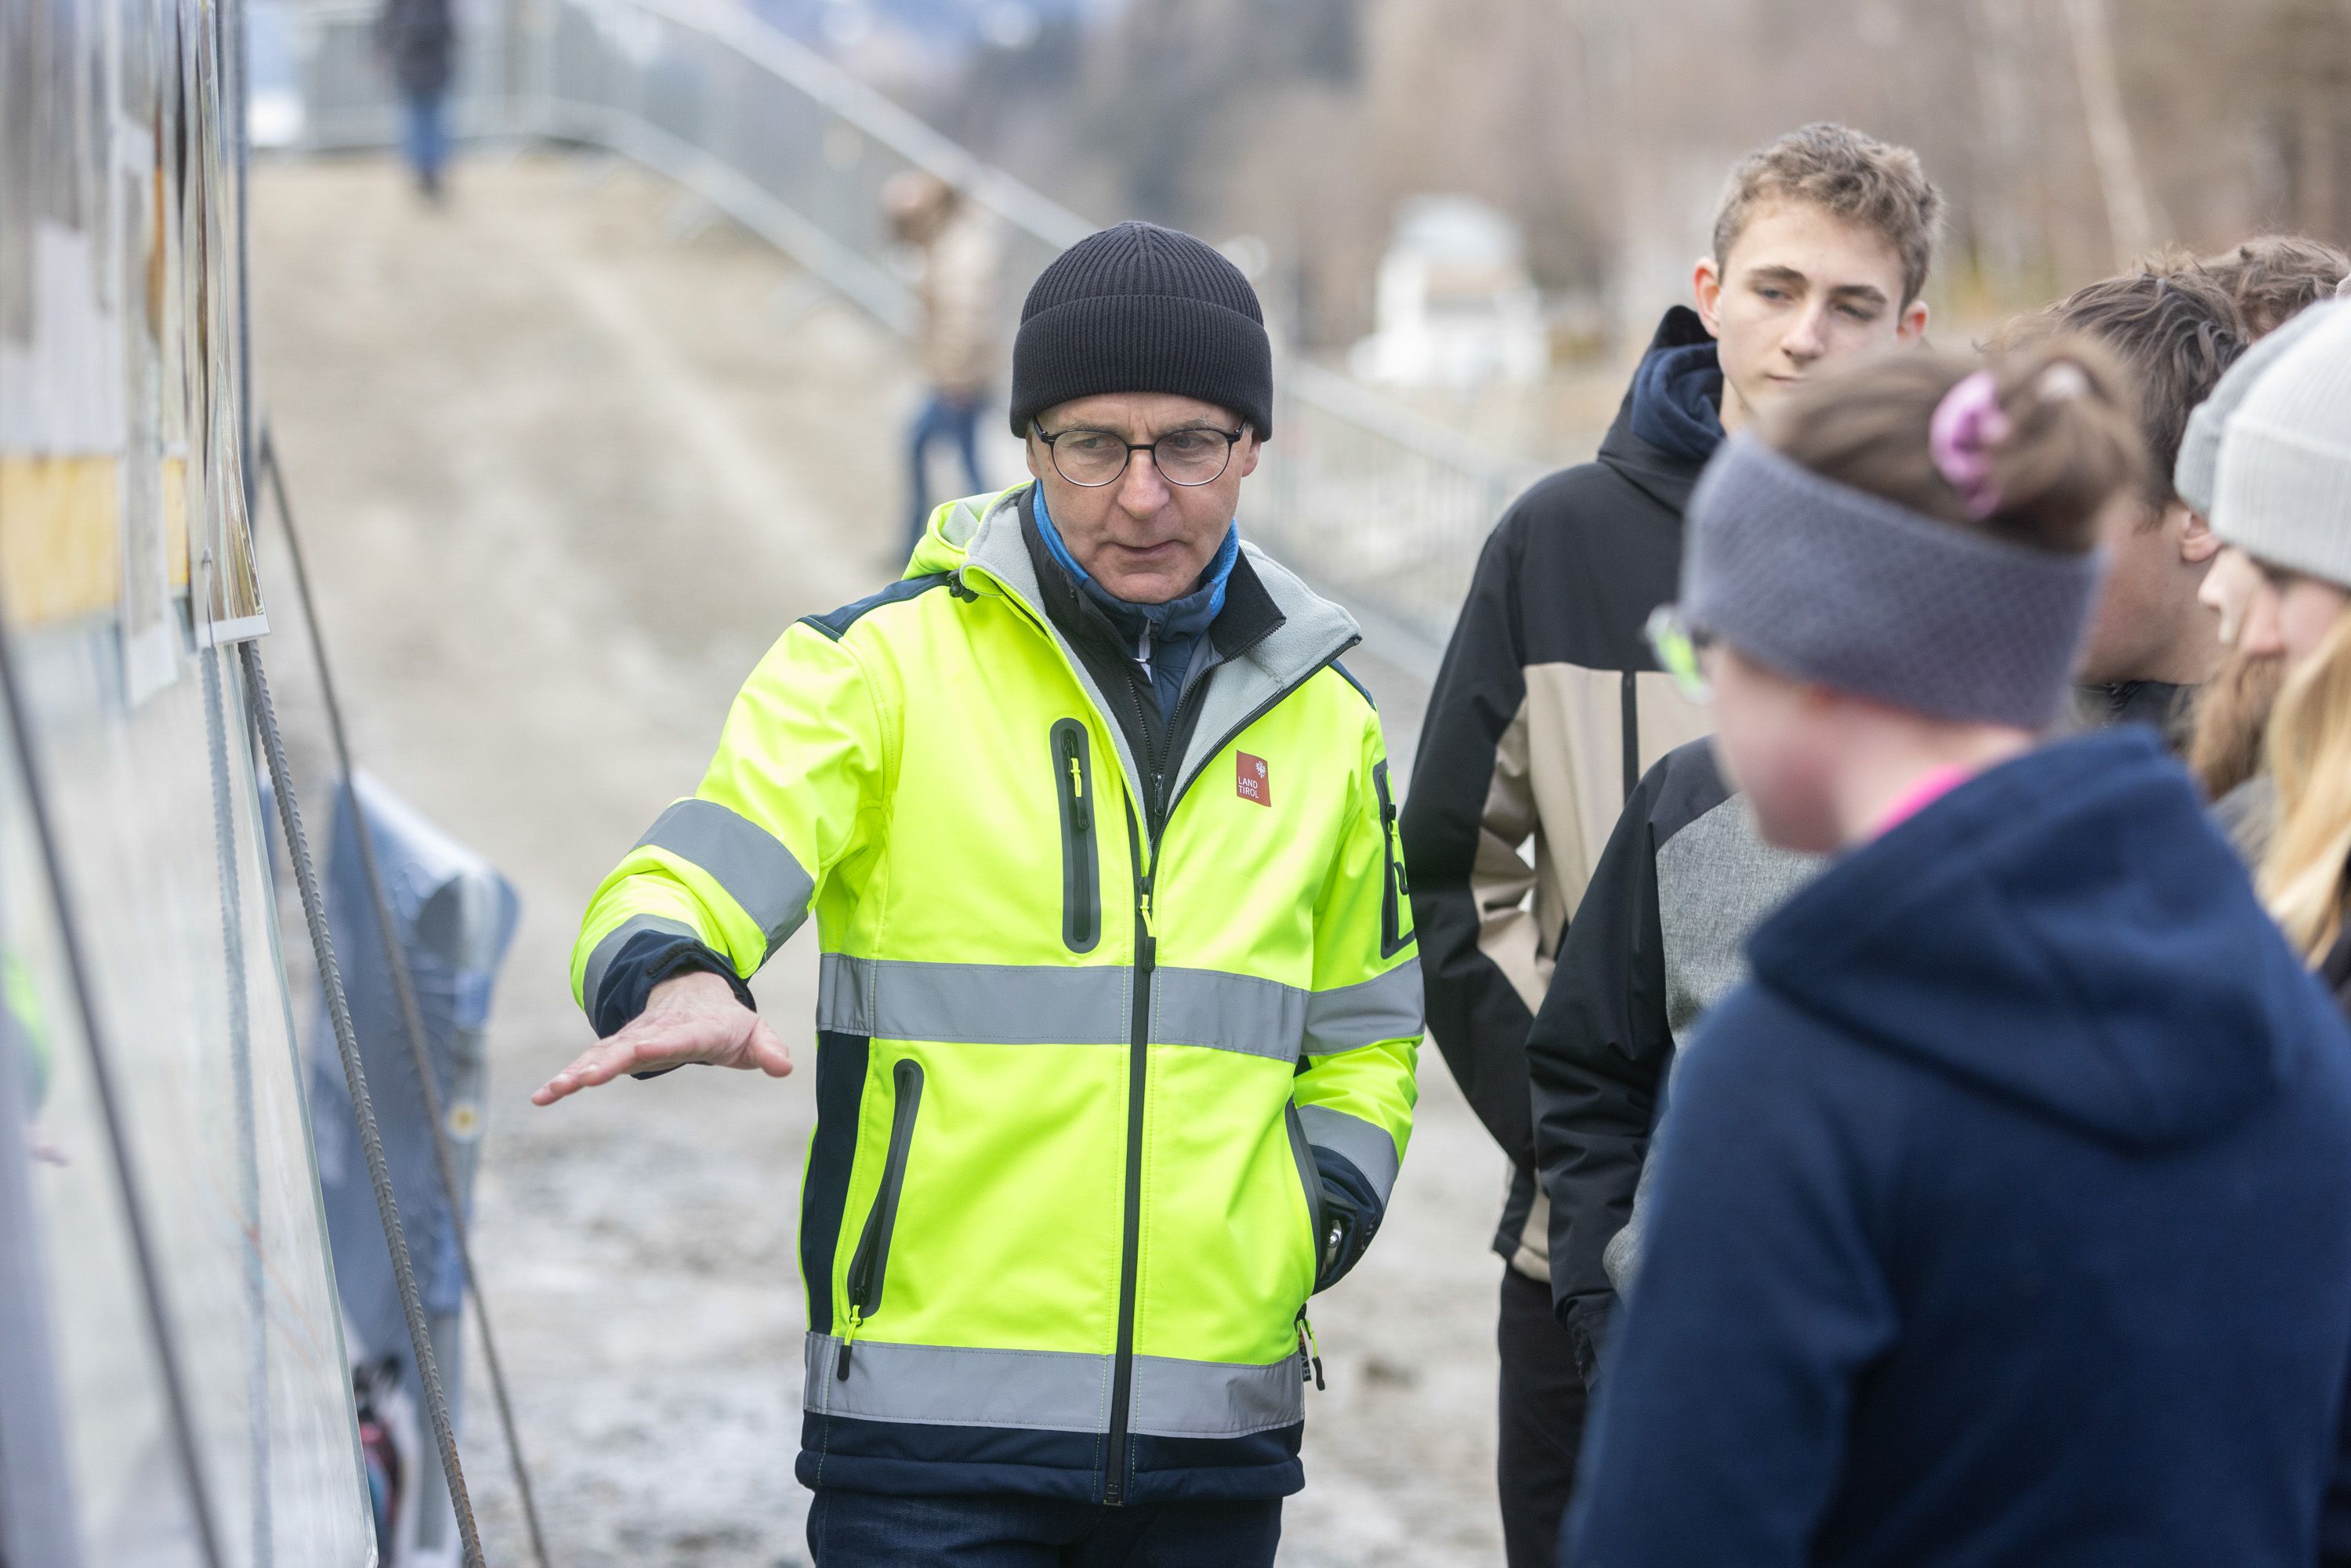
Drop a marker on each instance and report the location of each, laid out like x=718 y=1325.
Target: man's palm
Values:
x=693 y=1018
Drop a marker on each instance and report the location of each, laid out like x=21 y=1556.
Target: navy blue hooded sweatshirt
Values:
x=2003 y=1217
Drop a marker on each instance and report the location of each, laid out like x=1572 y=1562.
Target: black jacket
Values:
x=2162 y=705
x=1657 y=943
x=1546 y=711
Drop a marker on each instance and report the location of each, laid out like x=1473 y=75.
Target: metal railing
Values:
x=1385 y=509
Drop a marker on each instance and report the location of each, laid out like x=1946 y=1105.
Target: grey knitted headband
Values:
x=1830 y=584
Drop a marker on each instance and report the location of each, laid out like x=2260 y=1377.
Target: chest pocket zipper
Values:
x=1393 y=938
x=1074 y=789
x=867 y=1266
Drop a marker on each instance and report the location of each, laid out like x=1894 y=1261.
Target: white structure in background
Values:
x=1455 y=306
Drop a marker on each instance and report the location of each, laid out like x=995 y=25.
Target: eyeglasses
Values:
x=1097 y=457
x=1677 y=646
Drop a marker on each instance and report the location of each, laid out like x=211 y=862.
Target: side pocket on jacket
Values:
x=871 y=1262
x=1310 y=1177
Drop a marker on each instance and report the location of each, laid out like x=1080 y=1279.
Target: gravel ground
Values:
x=569 y=453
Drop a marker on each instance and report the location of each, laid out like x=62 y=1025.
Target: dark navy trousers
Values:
x=867 y=1529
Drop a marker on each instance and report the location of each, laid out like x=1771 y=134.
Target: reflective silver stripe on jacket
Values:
x=1366 y=1145
x=1046 y=1390
x=1386 y=1007
x=977 y=1004
x=750 y=863
x=1228 y=1012
x=592 y=978
x=1054 y=1004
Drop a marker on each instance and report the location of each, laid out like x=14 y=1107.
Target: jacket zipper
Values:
x=1073 y=788
x=1310 y=1355
x=1146 y=960
x=871 y=1260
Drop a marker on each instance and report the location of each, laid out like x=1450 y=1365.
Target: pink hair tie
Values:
x=1968 y=425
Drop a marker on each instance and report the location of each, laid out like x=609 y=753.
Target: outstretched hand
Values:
x=688 y=1018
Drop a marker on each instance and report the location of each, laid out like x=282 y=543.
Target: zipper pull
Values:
x=1310 y=1355
x=840 y=1365
x=1150 y=953
x=1079 y=822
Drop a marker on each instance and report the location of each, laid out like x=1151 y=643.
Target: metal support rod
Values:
x=248 y=1140
x=404 y=989
x=179 y=1409
x=330 y=981
x=239 y=127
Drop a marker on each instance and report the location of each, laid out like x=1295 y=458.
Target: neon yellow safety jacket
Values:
x=1100 y=1038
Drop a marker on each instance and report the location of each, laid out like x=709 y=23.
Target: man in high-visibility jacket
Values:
x=1119 y=999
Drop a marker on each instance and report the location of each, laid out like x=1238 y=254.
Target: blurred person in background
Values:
x=1119 y=1003
x=2175 y=331
x=1549 y=707
x=2274 y=277
x=956 y=333
x=1968 y=1245
x=2282 y=496
x=419 y=40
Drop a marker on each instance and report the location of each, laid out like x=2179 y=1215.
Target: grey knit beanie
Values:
x=2283 y=487
x=2199 y=448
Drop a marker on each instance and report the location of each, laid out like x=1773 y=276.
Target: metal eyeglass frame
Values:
x=1232 y=439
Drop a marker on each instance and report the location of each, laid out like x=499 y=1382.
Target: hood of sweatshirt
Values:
x=1663 y=401
x=2067 y=932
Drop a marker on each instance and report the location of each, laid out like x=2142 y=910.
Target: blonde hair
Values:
x=2232 y=720
x=2306 y=875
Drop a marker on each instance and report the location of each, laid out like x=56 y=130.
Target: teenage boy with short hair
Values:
x=2174 y=332
x=1548 y=704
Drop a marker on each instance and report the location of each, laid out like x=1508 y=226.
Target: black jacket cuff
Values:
x=644 y=961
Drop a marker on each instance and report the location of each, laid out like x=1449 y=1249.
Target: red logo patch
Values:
x=1250 y=781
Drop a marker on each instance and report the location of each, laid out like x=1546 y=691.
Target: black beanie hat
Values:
x=1137 y=308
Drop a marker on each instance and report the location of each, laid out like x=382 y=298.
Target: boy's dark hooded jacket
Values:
x=2003 y=1217
x=1547 y=710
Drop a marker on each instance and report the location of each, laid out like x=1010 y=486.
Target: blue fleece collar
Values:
x=1677 y=400
x=1179 y=618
